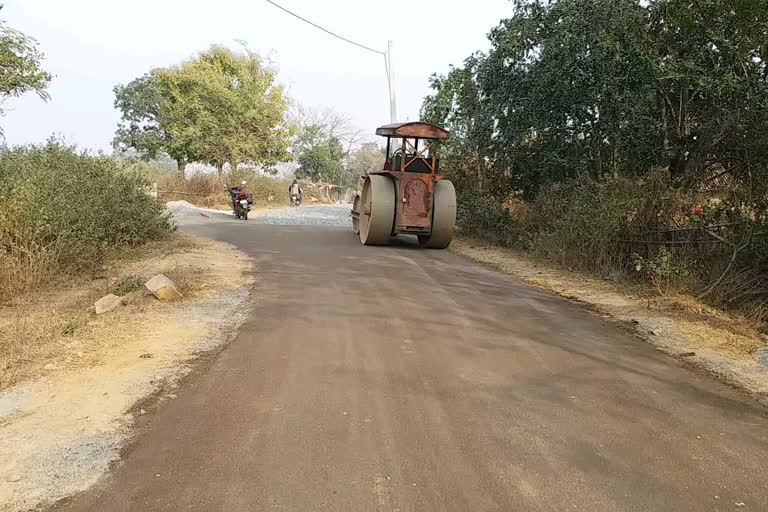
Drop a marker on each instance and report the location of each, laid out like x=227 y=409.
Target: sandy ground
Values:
x=726 y=347
x=67 y=420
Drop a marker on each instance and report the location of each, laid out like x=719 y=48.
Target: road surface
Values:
x=400 y=379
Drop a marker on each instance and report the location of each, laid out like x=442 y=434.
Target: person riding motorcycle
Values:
x=237 y=195
x=295 y=188
x=235 y=191
x=240 y=188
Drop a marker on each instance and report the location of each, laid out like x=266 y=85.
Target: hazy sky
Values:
x=92 y=45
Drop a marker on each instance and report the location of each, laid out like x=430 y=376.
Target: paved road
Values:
x=401 y=379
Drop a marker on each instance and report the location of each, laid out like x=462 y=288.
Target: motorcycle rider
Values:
x=237 y=193
x=295 y=188
x=234 y=191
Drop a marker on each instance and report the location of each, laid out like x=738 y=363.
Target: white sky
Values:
x=92 y=45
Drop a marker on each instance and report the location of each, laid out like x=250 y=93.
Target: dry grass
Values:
x=25 y=267
x=209 y=190
x=54 y=326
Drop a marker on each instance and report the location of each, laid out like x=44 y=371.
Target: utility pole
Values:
x=391 y=79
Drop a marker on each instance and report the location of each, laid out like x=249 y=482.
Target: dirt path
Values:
x=401 y=379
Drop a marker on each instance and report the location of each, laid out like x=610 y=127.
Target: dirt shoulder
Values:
x=729 y=348
x=69 y=380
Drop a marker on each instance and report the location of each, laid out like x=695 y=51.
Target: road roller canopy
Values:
x=415 y=130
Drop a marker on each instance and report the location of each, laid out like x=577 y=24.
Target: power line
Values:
x=326 y=30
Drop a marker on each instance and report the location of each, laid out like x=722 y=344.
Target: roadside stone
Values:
x=12 y=477
x=163 y=288
x=107 y=303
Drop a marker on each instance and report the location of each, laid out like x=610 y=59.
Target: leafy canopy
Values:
x=221 y=107
x=319 y=154
x=587 y=89
x=20 y=66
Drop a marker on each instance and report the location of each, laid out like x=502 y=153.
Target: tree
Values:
x=323 y=146
x=319 y=154
x=20 y=66
x=219 y=107
x=585 y=89
x=228 y=107
x=144 y=128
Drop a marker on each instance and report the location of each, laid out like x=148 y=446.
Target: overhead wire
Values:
x=325 y=29
x=305 y=20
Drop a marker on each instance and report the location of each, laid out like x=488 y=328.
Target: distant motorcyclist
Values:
x=295 y=190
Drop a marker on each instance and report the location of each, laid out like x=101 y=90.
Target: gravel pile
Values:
x=320 y=215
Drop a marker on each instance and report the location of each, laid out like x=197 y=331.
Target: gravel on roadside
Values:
x=315 y=215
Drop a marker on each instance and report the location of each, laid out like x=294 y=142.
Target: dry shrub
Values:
x=25 y=265
x=62 y=211
x=210 y=190
x=199 y=189
x=518 y=209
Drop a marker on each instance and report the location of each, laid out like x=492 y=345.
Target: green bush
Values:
x=62 y=210
x=638 y=230
x=583 y=226
x=485 y=217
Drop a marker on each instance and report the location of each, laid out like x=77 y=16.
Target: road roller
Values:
x=408 y=195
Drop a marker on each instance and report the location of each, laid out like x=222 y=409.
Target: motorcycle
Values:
x=295 y=199
x=242 y=203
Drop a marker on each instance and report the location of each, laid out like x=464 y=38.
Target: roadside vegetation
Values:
x=209 y=190
x=63 y=211
x=621 y=138
x=329 y=150
x=224 y=109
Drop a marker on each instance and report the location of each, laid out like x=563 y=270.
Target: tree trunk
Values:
x=182 y=165
x=219 y=168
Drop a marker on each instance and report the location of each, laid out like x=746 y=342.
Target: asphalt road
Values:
x=403 y=379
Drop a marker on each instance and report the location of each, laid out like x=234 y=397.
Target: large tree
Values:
x=20 y=66
x=221 y=107
x=584 y=89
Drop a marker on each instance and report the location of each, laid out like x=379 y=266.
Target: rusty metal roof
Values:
x=413 y=129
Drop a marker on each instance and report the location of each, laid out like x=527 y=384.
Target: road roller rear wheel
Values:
x=443 y=217
x=356 y=220
x=377 y=210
